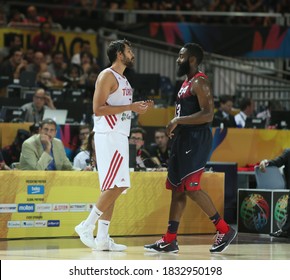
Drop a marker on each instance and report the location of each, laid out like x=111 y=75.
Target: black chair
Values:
x=12 y=114
x=74 y=95
x=56 y=94
x=27 y=79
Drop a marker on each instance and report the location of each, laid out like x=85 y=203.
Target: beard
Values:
x=129 y=63
x=183 y=69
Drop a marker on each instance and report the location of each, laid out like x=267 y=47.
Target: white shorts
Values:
x=112 y=153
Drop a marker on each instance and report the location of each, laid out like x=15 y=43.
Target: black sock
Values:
x=215 y=218
x=173 y=226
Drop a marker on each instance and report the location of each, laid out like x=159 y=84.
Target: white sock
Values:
x=93 y=216
x=103 y=229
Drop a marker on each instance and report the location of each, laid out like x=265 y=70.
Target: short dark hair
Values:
x=245 y=102
x=13 y=50
x=84 y=126
x=115 y=47
x=161 y=130
x=47 y=121
x=138 y=130
x=225 y=98
x=195 y=50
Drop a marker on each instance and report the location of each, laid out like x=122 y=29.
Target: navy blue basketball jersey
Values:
x=186 y=103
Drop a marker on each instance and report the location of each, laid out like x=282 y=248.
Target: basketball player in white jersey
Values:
x=112 y=106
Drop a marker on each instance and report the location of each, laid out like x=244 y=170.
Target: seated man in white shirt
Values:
x=247 y=107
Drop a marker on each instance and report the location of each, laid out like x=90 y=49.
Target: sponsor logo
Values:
x=187 y=151
x=43 y=207
x=8 y=208
x=60 y=207
x=125 y=117
x=182 y=91
x=53 y=223
x=164 y=246
x=40 y=223
x=35 y=189
x=26 y=207
x=13 y=224
x=77 y=207
x=27 y=224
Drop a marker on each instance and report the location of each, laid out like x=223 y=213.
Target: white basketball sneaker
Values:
x=86 y=234
x=108 y=244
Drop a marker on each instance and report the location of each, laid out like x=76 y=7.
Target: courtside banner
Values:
x=52 y=203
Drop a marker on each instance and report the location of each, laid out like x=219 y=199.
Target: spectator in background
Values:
x=11 y=153
x=90 y=82
x=84 y=132
x=246 y=110
x=45 y=80
x=38 y=64
x=84 y=8
x=16 y=17
x=87 y=62
x=86 y=158
x=223 y=117
x=143 y=158
x=44 y=41
x=29 y=55
x=32 y=15
x=34 y=110
x=43 y=151
x=57 y=67
x=3 y=165
x=160 y=150
x=11 y=40
x=74 y=77
x=84 y=47
x=14 y=65
x=168 y=5
x=3 y=19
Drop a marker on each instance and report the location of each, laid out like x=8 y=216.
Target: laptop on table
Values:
x=58 y=115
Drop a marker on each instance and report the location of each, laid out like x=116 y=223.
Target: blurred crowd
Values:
x=50 y=67
x=58 y=12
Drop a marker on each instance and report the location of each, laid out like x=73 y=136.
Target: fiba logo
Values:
x=280 y=211
x=254 y=212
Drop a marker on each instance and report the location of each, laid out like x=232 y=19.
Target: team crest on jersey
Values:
x=182 y=91
x=125 y=117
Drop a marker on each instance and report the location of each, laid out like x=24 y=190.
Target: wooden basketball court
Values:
x=192 y=247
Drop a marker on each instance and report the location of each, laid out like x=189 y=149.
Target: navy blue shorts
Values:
x=190 y=150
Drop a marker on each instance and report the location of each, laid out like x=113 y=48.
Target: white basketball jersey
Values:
x=120 y=123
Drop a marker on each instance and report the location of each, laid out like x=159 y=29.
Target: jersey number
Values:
x=178 y=109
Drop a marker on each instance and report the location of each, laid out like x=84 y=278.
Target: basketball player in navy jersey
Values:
x=112 y=105
x=191 y=145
